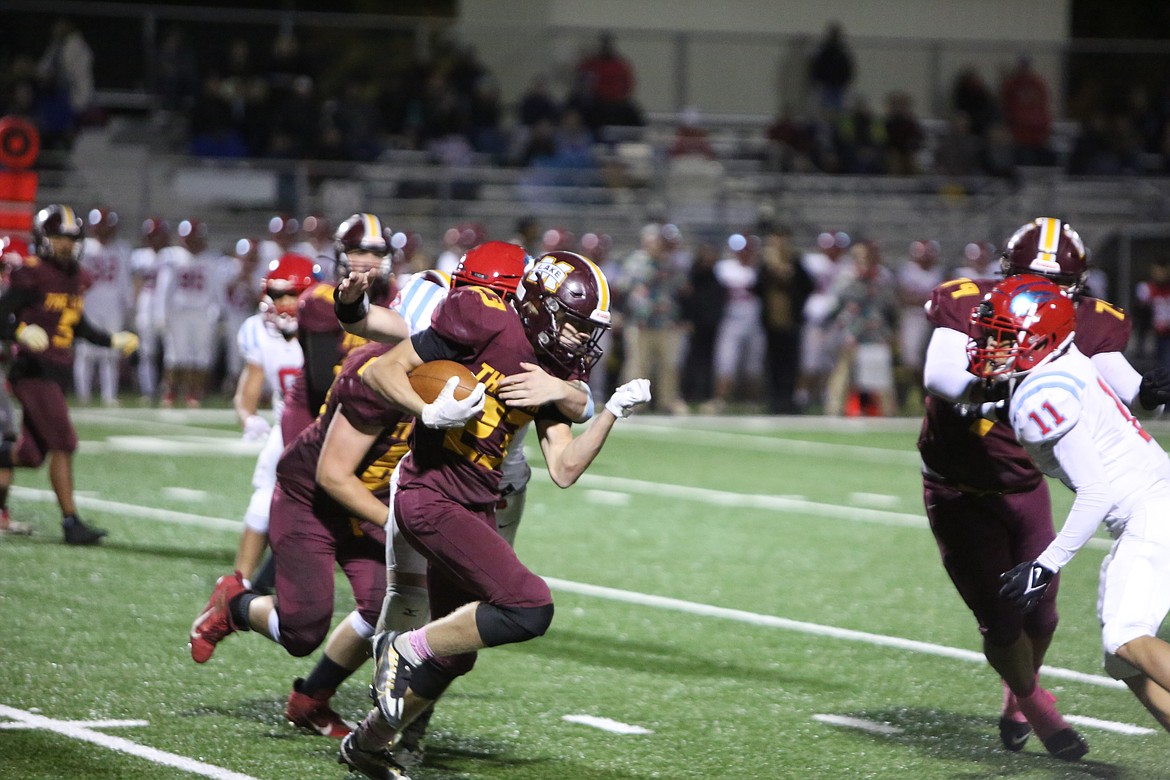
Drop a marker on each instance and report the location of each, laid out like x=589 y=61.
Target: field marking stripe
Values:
x=89 y=724
x=858 y=723
x=1110 y=725
x=74 y=731
x=606 y=724
x=816 y=629
x=132 y=510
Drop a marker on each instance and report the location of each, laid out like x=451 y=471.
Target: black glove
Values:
x=1025 y=584
x=996 y=412
x=1155 y=388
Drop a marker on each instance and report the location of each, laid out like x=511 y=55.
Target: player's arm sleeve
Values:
x=12 y=301
x=431 y=346
x=84 y=329
x=1077 y=455
x=320 y=351
x=1121 y=376
x=945 y=372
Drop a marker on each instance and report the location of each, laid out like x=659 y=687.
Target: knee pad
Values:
x=360 y=625
x=505 y=625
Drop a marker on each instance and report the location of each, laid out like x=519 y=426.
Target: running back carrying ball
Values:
x=429 y=378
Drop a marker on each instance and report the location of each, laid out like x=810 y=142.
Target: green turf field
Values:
x=752 y=599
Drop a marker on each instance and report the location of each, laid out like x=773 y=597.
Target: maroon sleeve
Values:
x=951 y=303
x=362 y=407
x=471 y=316
x=1101 y=327
x=315 y=310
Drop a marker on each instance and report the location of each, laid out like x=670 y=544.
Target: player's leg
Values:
x=8 y=435
x=254 y=539
x=109 y=363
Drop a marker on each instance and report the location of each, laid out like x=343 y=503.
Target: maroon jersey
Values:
x=297 y=470
x=42 y=293
x=982 y=455
x=464 y=463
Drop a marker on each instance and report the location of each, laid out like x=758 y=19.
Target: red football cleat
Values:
x=314 y=714
x=215 y=622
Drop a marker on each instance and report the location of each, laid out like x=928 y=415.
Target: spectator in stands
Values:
x=783 y=286
x=652 y=319
x=1108 y=145
x=213 y=127
x=792 y=143
x=484 y=116
x=1023 y=93
x=537 y=104
x=904 y=135
x=690 y=138
x=605 y=87
x=971 y=95
x=740 y=345
x=859 y=138
x=66 y=91
x=349 y=124
x=865 y=327
x=295 y=122
x=1154 y=296
x=176 y=72
x=702 y=301
x=958 y=152
x=831 y=69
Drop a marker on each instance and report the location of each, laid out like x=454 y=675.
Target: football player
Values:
x=192 y=290
x=44 y=311
x=406 y=604
x=1075 y=428
x=481 y=595
x=272 y=357
x=988 y=504
x=145 y=262
x=107 y=258
x=13 y=251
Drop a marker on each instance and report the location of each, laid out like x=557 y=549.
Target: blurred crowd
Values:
x=280 y=101
x=757 y=321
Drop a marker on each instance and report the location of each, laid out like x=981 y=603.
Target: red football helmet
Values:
x=565 y=312
x=1024 y=322
x=53 y=222
x=363 y=233
x=286 y=279
x=1050 y=248
x=496 y=265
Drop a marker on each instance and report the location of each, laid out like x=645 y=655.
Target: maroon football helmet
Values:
x=1050 y=248
x=1024 y=322
x=362 y=233
x=193 y=234
x=103 y=222
x=496 y=265
x=58 y=221
x=156 y=233
x=565 y=312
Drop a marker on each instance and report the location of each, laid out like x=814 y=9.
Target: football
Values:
x=429 y=378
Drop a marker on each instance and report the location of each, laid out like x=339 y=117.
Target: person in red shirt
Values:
x=605 y=87
x=1023 y=93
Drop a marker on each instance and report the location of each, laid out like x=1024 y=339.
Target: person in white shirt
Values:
x=191 y=293
x=1075 y=428
x=272 y=356
x=145 y=263
x=241 y=296
x=107 y=303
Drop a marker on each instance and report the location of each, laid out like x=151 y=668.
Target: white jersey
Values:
x=281 y=359
x=145 y=265
x=109 y=298
x=192 y=283
x=1076 y=429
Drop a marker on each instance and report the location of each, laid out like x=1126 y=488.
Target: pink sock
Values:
x=418 y=641
x=1039 y=707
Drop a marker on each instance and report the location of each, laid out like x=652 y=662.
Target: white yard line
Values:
x=88 y=724
x=858 y=723
x=73 y=730
x=1110 y=725
x=606 y=724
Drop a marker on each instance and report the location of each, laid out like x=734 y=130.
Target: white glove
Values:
x=628 y=397
x=124 y=341
x=256 y=428
x=33 y=337
x=446 y=412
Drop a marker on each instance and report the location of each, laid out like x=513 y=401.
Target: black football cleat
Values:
x=1014 y=733
x=79 y=533
x=1067 y=745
